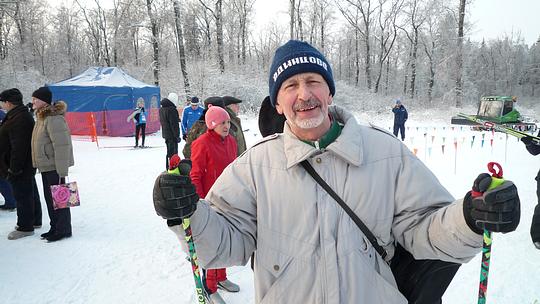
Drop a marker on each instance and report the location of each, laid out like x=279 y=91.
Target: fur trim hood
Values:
x=58 y=108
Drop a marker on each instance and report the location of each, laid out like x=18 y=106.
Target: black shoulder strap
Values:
x=355 y=218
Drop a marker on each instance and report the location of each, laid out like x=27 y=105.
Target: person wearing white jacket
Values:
x=307 y=249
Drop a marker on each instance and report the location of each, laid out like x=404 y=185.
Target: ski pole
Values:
x=496 y=180
x=199 y=288
x=183 y=168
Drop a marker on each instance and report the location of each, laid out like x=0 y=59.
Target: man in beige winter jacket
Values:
x=307 y=249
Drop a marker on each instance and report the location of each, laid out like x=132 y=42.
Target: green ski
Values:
x=499 y=128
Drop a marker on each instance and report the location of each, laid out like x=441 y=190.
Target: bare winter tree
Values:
x=93 y=32
x=243 y=10
x=20 y=22
x=416 y=15
x=386 y=34
x=353 y=11
x=217 y=12
x=429 y=42
x=292 y=15
x=181 y=51
x=459 y=55
x=155 y=44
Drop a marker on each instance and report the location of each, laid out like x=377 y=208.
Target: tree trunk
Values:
x=459 y=55
x=356 y=58
x=103 y=26
x=21 y=27
x=414 y=56
x=367 y=61
x=300 y=29
x=136 y=45
x=219 y=35
x=181 y=51
x=155 y=45
x=291 y=16
x=322 y=27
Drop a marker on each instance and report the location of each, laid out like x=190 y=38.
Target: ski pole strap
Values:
x=372 y=239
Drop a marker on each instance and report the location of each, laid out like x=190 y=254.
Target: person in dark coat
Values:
x=400 y=117
x=5 y=187
x=170 y=128
x=232 y=106
x=534 y=149
x=16 y=162
x=270 y=121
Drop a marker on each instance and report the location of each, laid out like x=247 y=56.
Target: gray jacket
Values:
x=307 y=249
x=51 y=140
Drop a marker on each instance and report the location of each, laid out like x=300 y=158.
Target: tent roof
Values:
x=103 y=76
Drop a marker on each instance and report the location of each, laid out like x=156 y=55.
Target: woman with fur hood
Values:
x=52 y=154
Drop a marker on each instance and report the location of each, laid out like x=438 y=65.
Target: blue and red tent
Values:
x=111 y=96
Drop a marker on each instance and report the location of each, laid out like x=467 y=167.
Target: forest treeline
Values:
x=419 y=49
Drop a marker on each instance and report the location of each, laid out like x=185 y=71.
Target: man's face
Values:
x=4 y=105
x=304 y=100
x=194 y=106
x=234 y=107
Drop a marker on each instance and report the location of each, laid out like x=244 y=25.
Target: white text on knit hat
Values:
x=298 y=60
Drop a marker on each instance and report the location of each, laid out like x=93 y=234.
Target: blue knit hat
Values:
x=296 y=57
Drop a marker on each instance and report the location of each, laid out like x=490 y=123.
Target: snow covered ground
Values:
x=121 y=252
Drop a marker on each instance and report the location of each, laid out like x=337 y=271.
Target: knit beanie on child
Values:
x=296 y=57
x=214 y=116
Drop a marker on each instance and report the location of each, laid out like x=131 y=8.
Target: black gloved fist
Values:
x=527 y=140
x=178 y=140
x=184 y=137
x=496 y=210
x=535 y=227
x=174 y=196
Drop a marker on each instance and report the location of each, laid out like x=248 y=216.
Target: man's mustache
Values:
x=310 y=103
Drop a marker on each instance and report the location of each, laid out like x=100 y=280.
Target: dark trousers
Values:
x=400 y=128
x=60 y=218
x=7 y=193
x=172 y=149
x=421 y=281
x=28 y=203
x=138 y=129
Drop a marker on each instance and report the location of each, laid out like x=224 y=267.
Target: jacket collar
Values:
x=348 y=146
x=58 y=108
x=14 y=111
x=214 y=136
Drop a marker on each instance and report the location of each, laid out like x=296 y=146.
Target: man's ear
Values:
x=330 y=99
x=279 y=109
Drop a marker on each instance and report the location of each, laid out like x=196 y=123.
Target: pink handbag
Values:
x=65 y=195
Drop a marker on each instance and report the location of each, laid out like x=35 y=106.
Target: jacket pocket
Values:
x=368 y=279
x=275 y=273
x=48 y=151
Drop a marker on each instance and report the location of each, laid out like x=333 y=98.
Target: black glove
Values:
x=178 y=140
x=174 y=196
x=184 y=137
x=535 y=227
x=496 y=210
x=527 y=140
